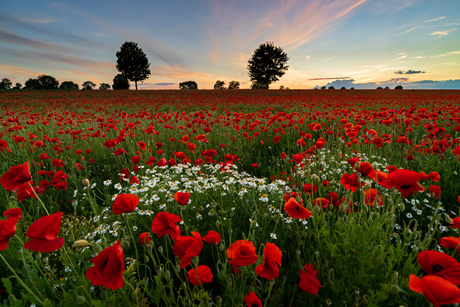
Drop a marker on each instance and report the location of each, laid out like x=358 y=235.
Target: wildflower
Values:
x=43 y=234
x=201 y=275
x=108 y=268
x=269 y=268
x=242 y=253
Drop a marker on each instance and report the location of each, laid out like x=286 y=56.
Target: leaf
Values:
x=8 y=285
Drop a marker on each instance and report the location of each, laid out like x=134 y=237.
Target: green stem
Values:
x=35 y=193
x=21 y=282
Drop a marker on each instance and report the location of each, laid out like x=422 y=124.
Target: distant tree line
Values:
x=46 y=82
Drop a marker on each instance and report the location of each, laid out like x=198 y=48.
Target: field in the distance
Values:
x=318 y=197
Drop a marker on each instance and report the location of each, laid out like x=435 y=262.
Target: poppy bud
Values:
x=125 y=245
x=159 y=270
x=314 y=177
x=145 y=281
x=195 y=261
x=103 y=295
x=366 y=297
x=402 y=207
x=74 y=203
x=81 y=300
x=45 y=259
x=375 y=166
x=367 y=185
x=448 y=220
x=365 y=207
x=345 y=219
x=329 y=302
x=316 y=210
x=221 y=246
x=218 y=223
x=218 y=300
x=80 y=243
x=160 y=249
x=230 y=231
x=298 y=252
x=357 y=165
x=167 y=274
x=271 y=282
x=146 y=259
x=85 y=182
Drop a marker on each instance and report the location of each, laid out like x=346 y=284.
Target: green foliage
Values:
x=132 y=62
x=267 y=64
x=234 y=85
x=88 y=85
x=32 y=84
x=398 y=87
x=5 y=84
x=104 y=86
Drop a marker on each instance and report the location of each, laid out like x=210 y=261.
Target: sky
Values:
x=351 y=43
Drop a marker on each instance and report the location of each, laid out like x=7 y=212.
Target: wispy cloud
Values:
x=329 y=78
x=98 y=34
x=331 y=58
x=435 y=19
x=409 y=72
x=445 y=54
x=43 y=20
x=407 y=31
x=442 y=33
x=402 y=55
x=17 y=72
x=307 y=57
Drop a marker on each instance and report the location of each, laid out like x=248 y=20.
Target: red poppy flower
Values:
x=309 y=188
x=297 y=158
x=371 y=195
x=13 y=212
x=119 y=152
x=242 y=253
x=16 y=176
x=440 y=264
x=24 y=191
x=172 y=162
x=391 y=168
x=321 y=202
x=351 y=182
x=377 y=141
x=187 y=247
x=252 y=300
x=456 y=151
x=450 y=242
x=455 y=223
x=162 y=162
x=353 y=161
x=295 y=210
x=151 y=161
x=212 y=237
x=43 y=234
x=135 y=160
x=436 y=290
x=255 y=165
x=141 y=145
x=202 y=275
x=108 y=268
x=405 y=181
x=7 y=231
x=144 y=238
x=277 y=138
x=125 y=203
x=308 y=279
x=270 y=267
x=434 y=189
x=182 y=198
x=164 y=223
x=365 y=168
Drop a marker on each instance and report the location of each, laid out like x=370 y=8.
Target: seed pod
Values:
x=81 y=300
x=80 y=243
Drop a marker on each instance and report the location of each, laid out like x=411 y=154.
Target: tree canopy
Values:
x=219 y=85
x=267 y=64
x=48 y=82
x=88 y=85
x=120 y=83
x=234 y=85
x=104 y=86
x=5 y=84
x=32 y=84
x=132 y=62
x=69 y=85
x=188 y=85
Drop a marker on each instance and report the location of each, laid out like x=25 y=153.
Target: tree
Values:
x=266 y=65
x=398 y=87
x=281 y=87
x=132 y=62
x=343 y=88
x=331 y=88
x=220 y=85
x=48 y=82
x=32 y=84
x=104 y=86
x=17 y=86
x=69 y=85
x=234 y=85
x=188 y=85
x=88 y=85
x=6 y=84
x=120 y=82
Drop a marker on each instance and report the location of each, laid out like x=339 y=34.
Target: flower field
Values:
x=230 y=198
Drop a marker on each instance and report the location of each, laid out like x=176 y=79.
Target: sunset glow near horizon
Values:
x=351 y=43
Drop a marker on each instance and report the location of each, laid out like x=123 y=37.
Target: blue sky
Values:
x=360 y=43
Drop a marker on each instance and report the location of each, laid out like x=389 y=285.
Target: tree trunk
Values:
x=135 y=82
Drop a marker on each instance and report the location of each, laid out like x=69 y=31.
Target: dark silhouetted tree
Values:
x=132 y=62
x=219 y=85
x=69 y=85
x=234 y=85
x=331 y=88
x=386 y=87
x=104 y=86
x=188 y=85
x=32 y=84
x=266 y=65
x=281 y=87
x=323 y=87
x=48 y=82
x=398 y=87
x=88 y=85
x=17 y=86
x=120 y=82
x=6 y=84
x=379 y=88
